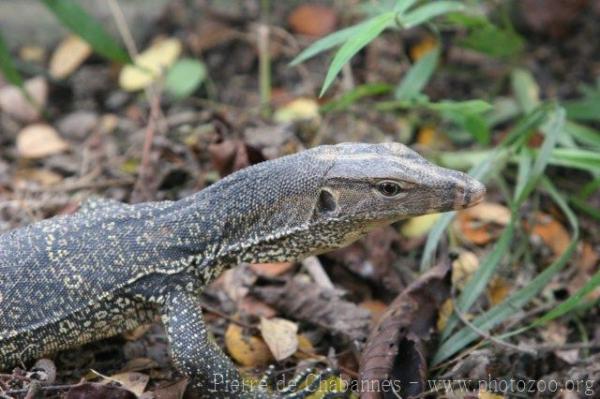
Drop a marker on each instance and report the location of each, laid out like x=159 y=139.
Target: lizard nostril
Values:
x=459 y=196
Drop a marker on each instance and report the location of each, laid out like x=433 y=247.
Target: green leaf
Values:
x=7 y=67
x=525 y=89
x=184 y=77
x=369 y=31
x=493 y=41
x=417 y=76
x=583 y=134
x=82 y=24
x=329 y=41
x=403 y=5
x=576 y=158
x=507 y=308
x=465 y=107
x=585 y=109
x=349 y=98
x=429 y=11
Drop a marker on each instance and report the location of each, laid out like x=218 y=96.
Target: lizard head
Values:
x=327 y=197
x=383 y=183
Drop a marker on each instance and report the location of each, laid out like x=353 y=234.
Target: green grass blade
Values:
x=417 y=76
x=403 y=5
x=429 y=11
x=551 y=128
x=85 y=26
x=576 y=158
x=480 y=172
x=525 y=89
x=7 y=67
x=572 y=302
x=479 y=281
x=583 y=134
x=328 y=42
x=504 y=310
x=349 y=98
x=360 y=39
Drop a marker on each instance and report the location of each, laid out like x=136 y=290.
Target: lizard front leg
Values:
x=212 y=373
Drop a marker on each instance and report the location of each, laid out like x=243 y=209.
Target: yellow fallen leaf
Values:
x=305 y=348
x=280 y=335
x=44 y=177
x=444 y=314
x=68 y=56
x=423 y=47
x=498 y=290
x=247 y=351
x=150 y=64
x=463 y=268
x=483 y=394
x=297 y=110
x=39 y=140
x=418 y=226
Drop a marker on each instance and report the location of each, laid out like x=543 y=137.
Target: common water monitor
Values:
x=111 y=266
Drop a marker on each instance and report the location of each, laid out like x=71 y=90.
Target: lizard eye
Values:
x=389 y=188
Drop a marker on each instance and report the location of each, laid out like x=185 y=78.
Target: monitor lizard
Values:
x=111 y=266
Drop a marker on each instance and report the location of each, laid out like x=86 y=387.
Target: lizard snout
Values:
x=469 y=192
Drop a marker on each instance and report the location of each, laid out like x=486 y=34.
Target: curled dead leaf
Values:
x=313 y=20
x=15 y=104
x=39 y=140
x=482 y=223
x=280 y=336
x=249 y=351
x=551 y=232
x=394 y=353
x=68 y=56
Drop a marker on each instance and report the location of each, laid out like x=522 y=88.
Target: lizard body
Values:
x=110 y=267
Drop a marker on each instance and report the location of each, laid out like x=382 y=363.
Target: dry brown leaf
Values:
x=463 y=268
x=551 y=232
x=39 y=140
x=93 y=390
x=15 y=104
x=482 y=223
x=280 y=336
x=247 y=351
x=173 y=390
x=44 y=177
x=430 y=137
x=377 y=308
x=313 y=20
x=554 y=333
x=132 y=381
x=68 y=56
x=394 y=351
x=252 y=306
x=271 y=269
x=423 y=47
x=498 y=290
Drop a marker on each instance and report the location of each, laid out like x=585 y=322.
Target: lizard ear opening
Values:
x=326 y=204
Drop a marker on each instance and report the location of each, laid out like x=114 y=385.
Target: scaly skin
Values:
x=111 y=267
